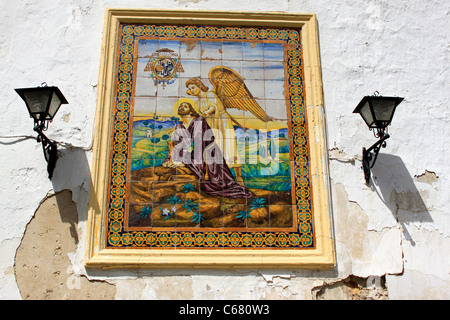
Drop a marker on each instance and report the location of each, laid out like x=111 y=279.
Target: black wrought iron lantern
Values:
x=43 y=103
x=377 y=112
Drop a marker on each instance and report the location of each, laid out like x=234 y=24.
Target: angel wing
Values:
x=231 y=89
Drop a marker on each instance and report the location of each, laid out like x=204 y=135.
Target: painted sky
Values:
x=261 y=65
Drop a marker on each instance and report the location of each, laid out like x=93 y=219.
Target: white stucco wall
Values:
x=398 y=229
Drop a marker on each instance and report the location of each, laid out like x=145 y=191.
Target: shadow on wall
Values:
x=72 y=173
x=394 y=185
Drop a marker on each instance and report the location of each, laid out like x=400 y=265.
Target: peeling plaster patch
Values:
x=341 y=156
x=353 y=288
x=270 y=276
x=364 y=252
x=250 y=286
x=352 y=215
x=429 y=177
x=280 y=286
x=42 y=266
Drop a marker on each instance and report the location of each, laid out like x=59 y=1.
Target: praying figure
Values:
x=193 y=146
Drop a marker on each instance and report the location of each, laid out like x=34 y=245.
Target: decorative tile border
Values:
x=303 y=237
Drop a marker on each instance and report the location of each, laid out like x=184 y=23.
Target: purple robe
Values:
x=196 y=149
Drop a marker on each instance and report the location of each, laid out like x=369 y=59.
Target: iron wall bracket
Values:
x=369 y=158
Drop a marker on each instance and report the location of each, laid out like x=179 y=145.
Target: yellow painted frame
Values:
x=322 y=256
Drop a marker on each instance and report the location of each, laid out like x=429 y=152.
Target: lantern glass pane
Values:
x=54 y=105
x=37 y=101
x=366 y=113
x=383 y=110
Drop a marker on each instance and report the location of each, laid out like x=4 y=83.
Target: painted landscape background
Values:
x=163 y=197
x=270 y=151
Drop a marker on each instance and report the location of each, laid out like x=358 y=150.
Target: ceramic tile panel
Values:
x=209 y=147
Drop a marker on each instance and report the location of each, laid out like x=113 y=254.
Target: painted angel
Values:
x=229 y=91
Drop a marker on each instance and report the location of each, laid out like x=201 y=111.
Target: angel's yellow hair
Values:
x=198 y=83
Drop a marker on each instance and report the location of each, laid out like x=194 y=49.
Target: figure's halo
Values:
x=180 y=101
